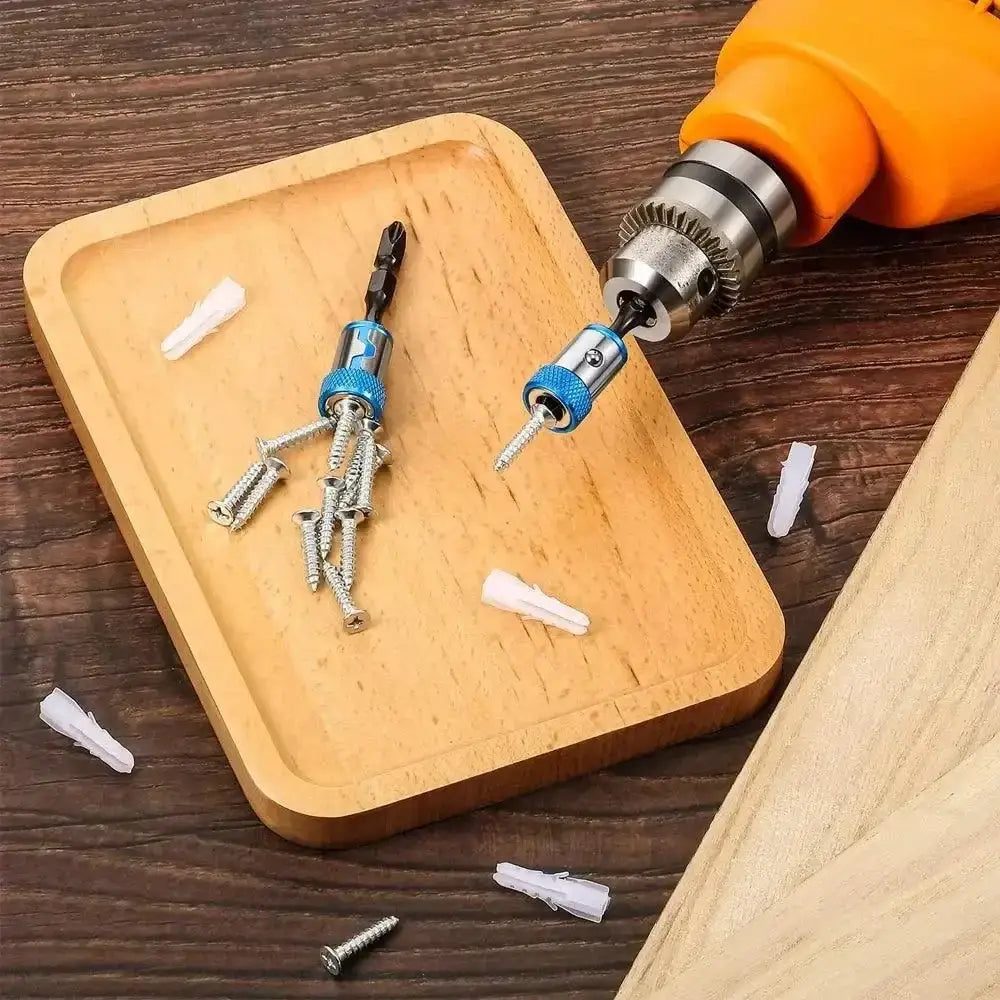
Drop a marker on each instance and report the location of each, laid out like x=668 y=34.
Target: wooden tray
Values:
x=443 y=704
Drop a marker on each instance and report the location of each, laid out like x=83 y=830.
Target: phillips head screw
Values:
x=334 y=959
x=355 y=620
x=275 y=471
x=350 y=518
x=267 y=447
x=333 y=489
x=223 y=511
x=307 y=522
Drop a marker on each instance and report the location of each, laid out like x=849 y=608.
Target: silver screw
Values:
x=274 y=472
x=307 y=521
x=353 y=478
x=349 y=521
x=541 y=416
x=355 y=620
x=352 y=481
x=335 y=958
x=271 y=446
x=347 y=412
x=366 y=444
x=333 y=488
x=222 y=511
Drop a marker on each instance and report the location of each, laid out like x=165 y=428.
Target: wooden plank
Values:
x=910 y=912
x=900 y=685
x=479 y=705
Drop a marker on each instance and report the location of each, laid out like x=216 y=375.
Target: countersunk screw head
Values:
x=373 y=427
x=305 y=516
x=220 y=513
x=357 y=621
x=331 y=482
x=277 y=467
x=353 y=514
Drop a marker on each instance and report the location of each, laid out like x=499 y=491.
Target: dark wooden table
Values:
x=164 y=884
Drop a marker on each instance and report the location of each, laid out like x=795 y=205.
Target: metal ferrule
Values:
x=692 y=247
x=358 y=371
x=365 y=345
x=570 y=384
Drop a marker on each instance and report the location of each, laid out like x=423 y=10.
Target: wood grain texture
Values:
x=481 y=706
x=909 y=912
x=854 y=344
x=899 y=687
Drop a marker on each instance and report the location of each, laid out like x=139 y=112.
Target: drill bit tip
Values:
x=388 y=258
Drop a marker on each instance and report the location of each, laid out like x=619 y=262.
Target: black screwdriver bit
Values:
x=633 y=311
x=388 y=258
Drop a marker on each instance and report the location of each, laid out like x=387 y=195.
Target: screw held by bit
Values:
x=540 y=416
x=547 y=408
x=388 y=258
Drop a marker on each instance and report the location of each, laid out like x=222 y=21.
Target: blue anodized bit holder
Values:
x=568 y=386
x=358 y=370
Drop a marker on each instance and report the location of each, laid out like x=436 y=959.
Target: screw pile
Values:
x=352 y=397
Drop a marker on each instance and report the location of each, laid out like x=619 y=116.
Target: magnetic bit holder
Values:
x=792 y=486
x=365 y=346
x=60 y=712
x=561 y=394
x=578 y=896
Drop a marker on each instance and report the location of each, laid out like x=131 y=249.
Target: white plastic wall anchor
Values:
x=578 y=896
x=222 y=303
x=791 y=489
x=60 y=712
x=509 y=593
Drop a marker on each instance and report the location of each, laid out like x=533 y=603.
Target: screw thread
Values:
x=366 y=444
x=347 y=419
x=268 y=480
x=521 y=439
x=340 y=590
x=223 y=510
x=348 y=550
x=364 y=940
x=271 y=446
x=336 y=957
x=328 y=518
x=352 y=480
x=310 y=553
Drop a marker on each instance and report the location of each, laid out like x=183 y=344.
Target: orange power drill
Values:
x=886 y=109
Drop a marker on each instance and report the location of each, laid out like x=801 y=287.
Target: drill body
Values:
x=890 y=111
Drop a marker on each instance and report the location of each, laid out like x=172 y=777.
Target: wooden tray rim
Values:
x=227 y=698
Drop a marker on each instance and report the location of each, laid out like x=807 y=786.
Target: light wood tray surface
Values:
x=443 y=704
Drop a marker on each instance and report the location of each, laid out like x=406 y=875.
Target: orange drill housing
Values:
x=887 y=109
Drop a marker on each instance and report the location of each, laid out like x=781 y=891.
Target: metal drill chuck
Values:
x=701 y=237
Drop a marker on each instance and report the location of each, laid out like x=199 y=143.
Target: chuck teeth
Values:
x=723 y=261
